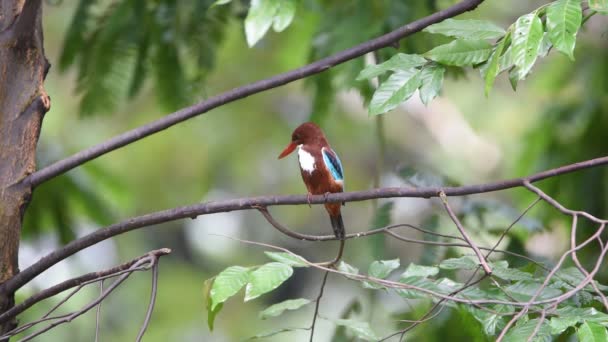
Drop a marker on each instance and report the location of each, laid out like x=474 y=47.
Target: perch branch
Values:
x=193 y=211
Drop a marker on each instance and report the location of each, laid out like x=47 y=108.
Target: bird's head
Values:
x=306 y=134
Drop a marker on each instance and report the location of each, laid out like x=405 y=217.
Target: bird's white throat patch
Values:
x=307 y=161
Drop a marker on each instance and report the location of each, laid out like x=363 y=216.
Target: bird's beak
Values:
x=292 y=146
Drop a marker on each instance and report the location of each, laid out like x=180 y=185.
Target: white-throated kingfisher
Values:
x=320 y=168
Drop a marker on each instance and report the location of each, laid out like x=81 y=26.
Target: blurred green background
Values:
x=100 y=87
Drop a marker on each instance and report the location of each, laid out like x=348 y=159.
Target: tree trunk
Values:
x=23 y=103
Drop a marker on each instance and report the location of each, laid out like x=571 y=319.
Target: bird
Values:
x=321 y=170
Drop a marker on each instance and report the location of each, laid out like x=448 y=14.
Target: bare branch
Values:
x=317 y=303
x=80 y=282
x=319 y=66
x=144 y=326
x=482 y=260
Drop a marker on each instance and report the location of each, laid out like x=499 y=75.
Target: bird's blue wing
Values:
x=333 y=163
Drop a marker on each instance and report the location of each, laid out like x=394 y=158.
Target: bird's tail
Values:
x=338 y=226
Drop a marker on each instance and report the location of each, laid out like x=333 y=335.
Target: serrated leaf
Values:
x=461 y=52
x=400 y=61
x=266 y=278
x=399 y=87
x=592 y=332
x=227 y=284
x=287 y=259
x=419 y=282
x=526 y=41
x=493 y=64
x=279 y=308
x=600 y=6
x=431 y=78
x=522 y=332
x=564 y=18
x=361 y=330
x=467 y=29
x=414 y=270
x=284 y=15
x=462 y=263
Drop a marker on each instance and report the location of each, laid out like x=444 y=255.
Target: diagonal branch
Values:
x=194 y=211
x=317 y=67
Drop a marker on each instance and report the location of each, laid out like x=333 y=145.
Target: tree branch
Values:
x=319 y=66
x=194 y=211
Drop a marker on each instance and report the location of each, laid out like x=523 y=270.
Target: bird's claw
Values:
x=309 y=199
x=325 y=195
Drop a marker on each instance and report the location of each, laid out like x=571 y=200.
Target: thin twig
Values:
x=317 y=303
x=465 y=235
x=98 y=313
x=152 y=301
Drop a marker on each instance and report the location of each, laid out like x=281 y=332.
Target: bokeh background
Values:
x=558 y=115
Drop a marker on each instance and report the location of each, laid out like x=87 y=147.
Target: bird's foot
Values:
x=309 y=199
x=325 y=195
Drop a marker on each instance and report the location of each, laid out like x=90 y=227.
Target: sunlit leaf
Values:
x=346 y=268
x=526 y=41
x=287 y=259
x=461 y=52
x=431 y=77
x=600 y=6
x=467 y=29
x=266 y=13
x=359 y=329
x=400 y=61
x=221 y=2
x=592 y=332
x=564 y=18
x=228 y=283
x=211 y=312
x=266 y=278
x=279 y=308
x=399 y=87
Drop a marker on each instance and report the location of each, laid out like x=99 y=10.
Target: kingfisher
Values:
x=321 y=170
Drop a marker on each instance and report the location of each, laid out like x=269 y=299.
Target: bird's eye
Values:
x=295 y=137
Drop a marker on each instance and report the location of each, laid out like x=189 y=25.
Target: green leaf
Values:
x=492 y=321
x=467 y=29
x=570 y=316
x=265 y=13
x=211 y=312
x=462 y=263
x=399 y=87
x=380 y=269
x=432 y=78
x=284 y=15
x=600 y=6
x=279 y=308
x=524 y=290
x=227 y=284
x=526 y=41
x=414 y=270
x=266 y=278
x=523 y=331
x=506 y=273
x=461 y=52
x=346 y=268
x=361 y=330
x=564 y=18
x=400 y=61
x=492 y=69
x=419 y=282
x=287 y=259
x=514 y=77
x=592 y=332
